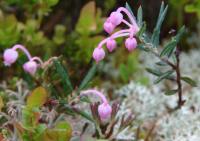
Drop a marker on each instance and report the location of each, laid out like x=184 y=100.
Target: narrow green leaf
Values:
x=165 y=75
x=155 y=37
x=129 y=9
x=154 y=72
x=88 y=77
x=139 y=16
x=83 y=114
x=171 y=92
x=179 y=34
x=160 y=63
x=161 y=8
x=161 y=17
x=156 y=33
x=64 y=76
x=168 y=49
x=142 y=30
x=189 y=81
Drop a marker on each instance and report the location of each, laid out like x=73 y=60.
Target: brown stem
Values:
x=175 y=67
x=178 y=79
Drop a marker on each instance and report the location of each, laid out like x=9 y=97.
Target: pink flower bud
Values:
x=10 y=56
x=108 y=27
x=30 y=67
x=111 y=44
x=98 y=54
x=116 y=18
x=105 y=111
x=131 y=43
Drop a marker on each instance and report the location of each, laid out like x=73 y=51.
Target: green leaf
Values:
x=87 y=20
x=83 y=114
x=88 y=77
x=139 y=16
x=171 y=92
x=156 y=33
x=163 y=76
x=37 y=98
x=179 y=34
x=142 y=30
x=161 y=9
x=160 y=63
x=124 y=74
x=61 y=132
x=129 y=9
x=30 y=117
x=39 y=130
x=161 y=17
x=52 y=2
x=64 y=77
x=189 y=81
x=154 y=71
x=168 y=49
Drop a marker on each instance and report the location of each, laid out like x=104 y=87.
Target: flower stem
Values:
x=37 y=59
x=113 y=37
x=18 y=46
x=132 y=20
x=95 y=92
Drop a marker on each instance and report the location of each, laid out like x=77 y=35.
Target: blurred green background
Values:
x=73 y=28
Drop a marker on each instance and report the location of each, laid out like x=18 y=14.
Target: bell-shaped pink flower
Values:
x=108 y=27
x=30 y=67
x=116 y=18
x=111 y=44
x=131 y=43
x=105 y=111
x=10 y=56
x=98 y=54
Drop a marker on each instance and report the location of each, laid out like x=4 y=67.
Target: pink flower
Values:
x=30 y=67
x=98 y=54
x=111 y=44
x=112 y=21
x=116 y=18
x=108 y=27
x=131 y=43
x=10 y=56
x=105 y=111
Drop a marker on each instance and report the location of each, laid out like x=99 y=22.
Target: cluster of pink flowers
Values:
x=10 y=56
x=104 y=109
x=115 y=19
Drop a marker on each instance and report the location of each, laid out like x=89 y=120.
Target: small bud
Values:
x=108 y=27
x=98 y=54
x=10 y=56
x=111 y=44
x=116 y=18
x=105 y=111
x=30 y=67
x=131 y=43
